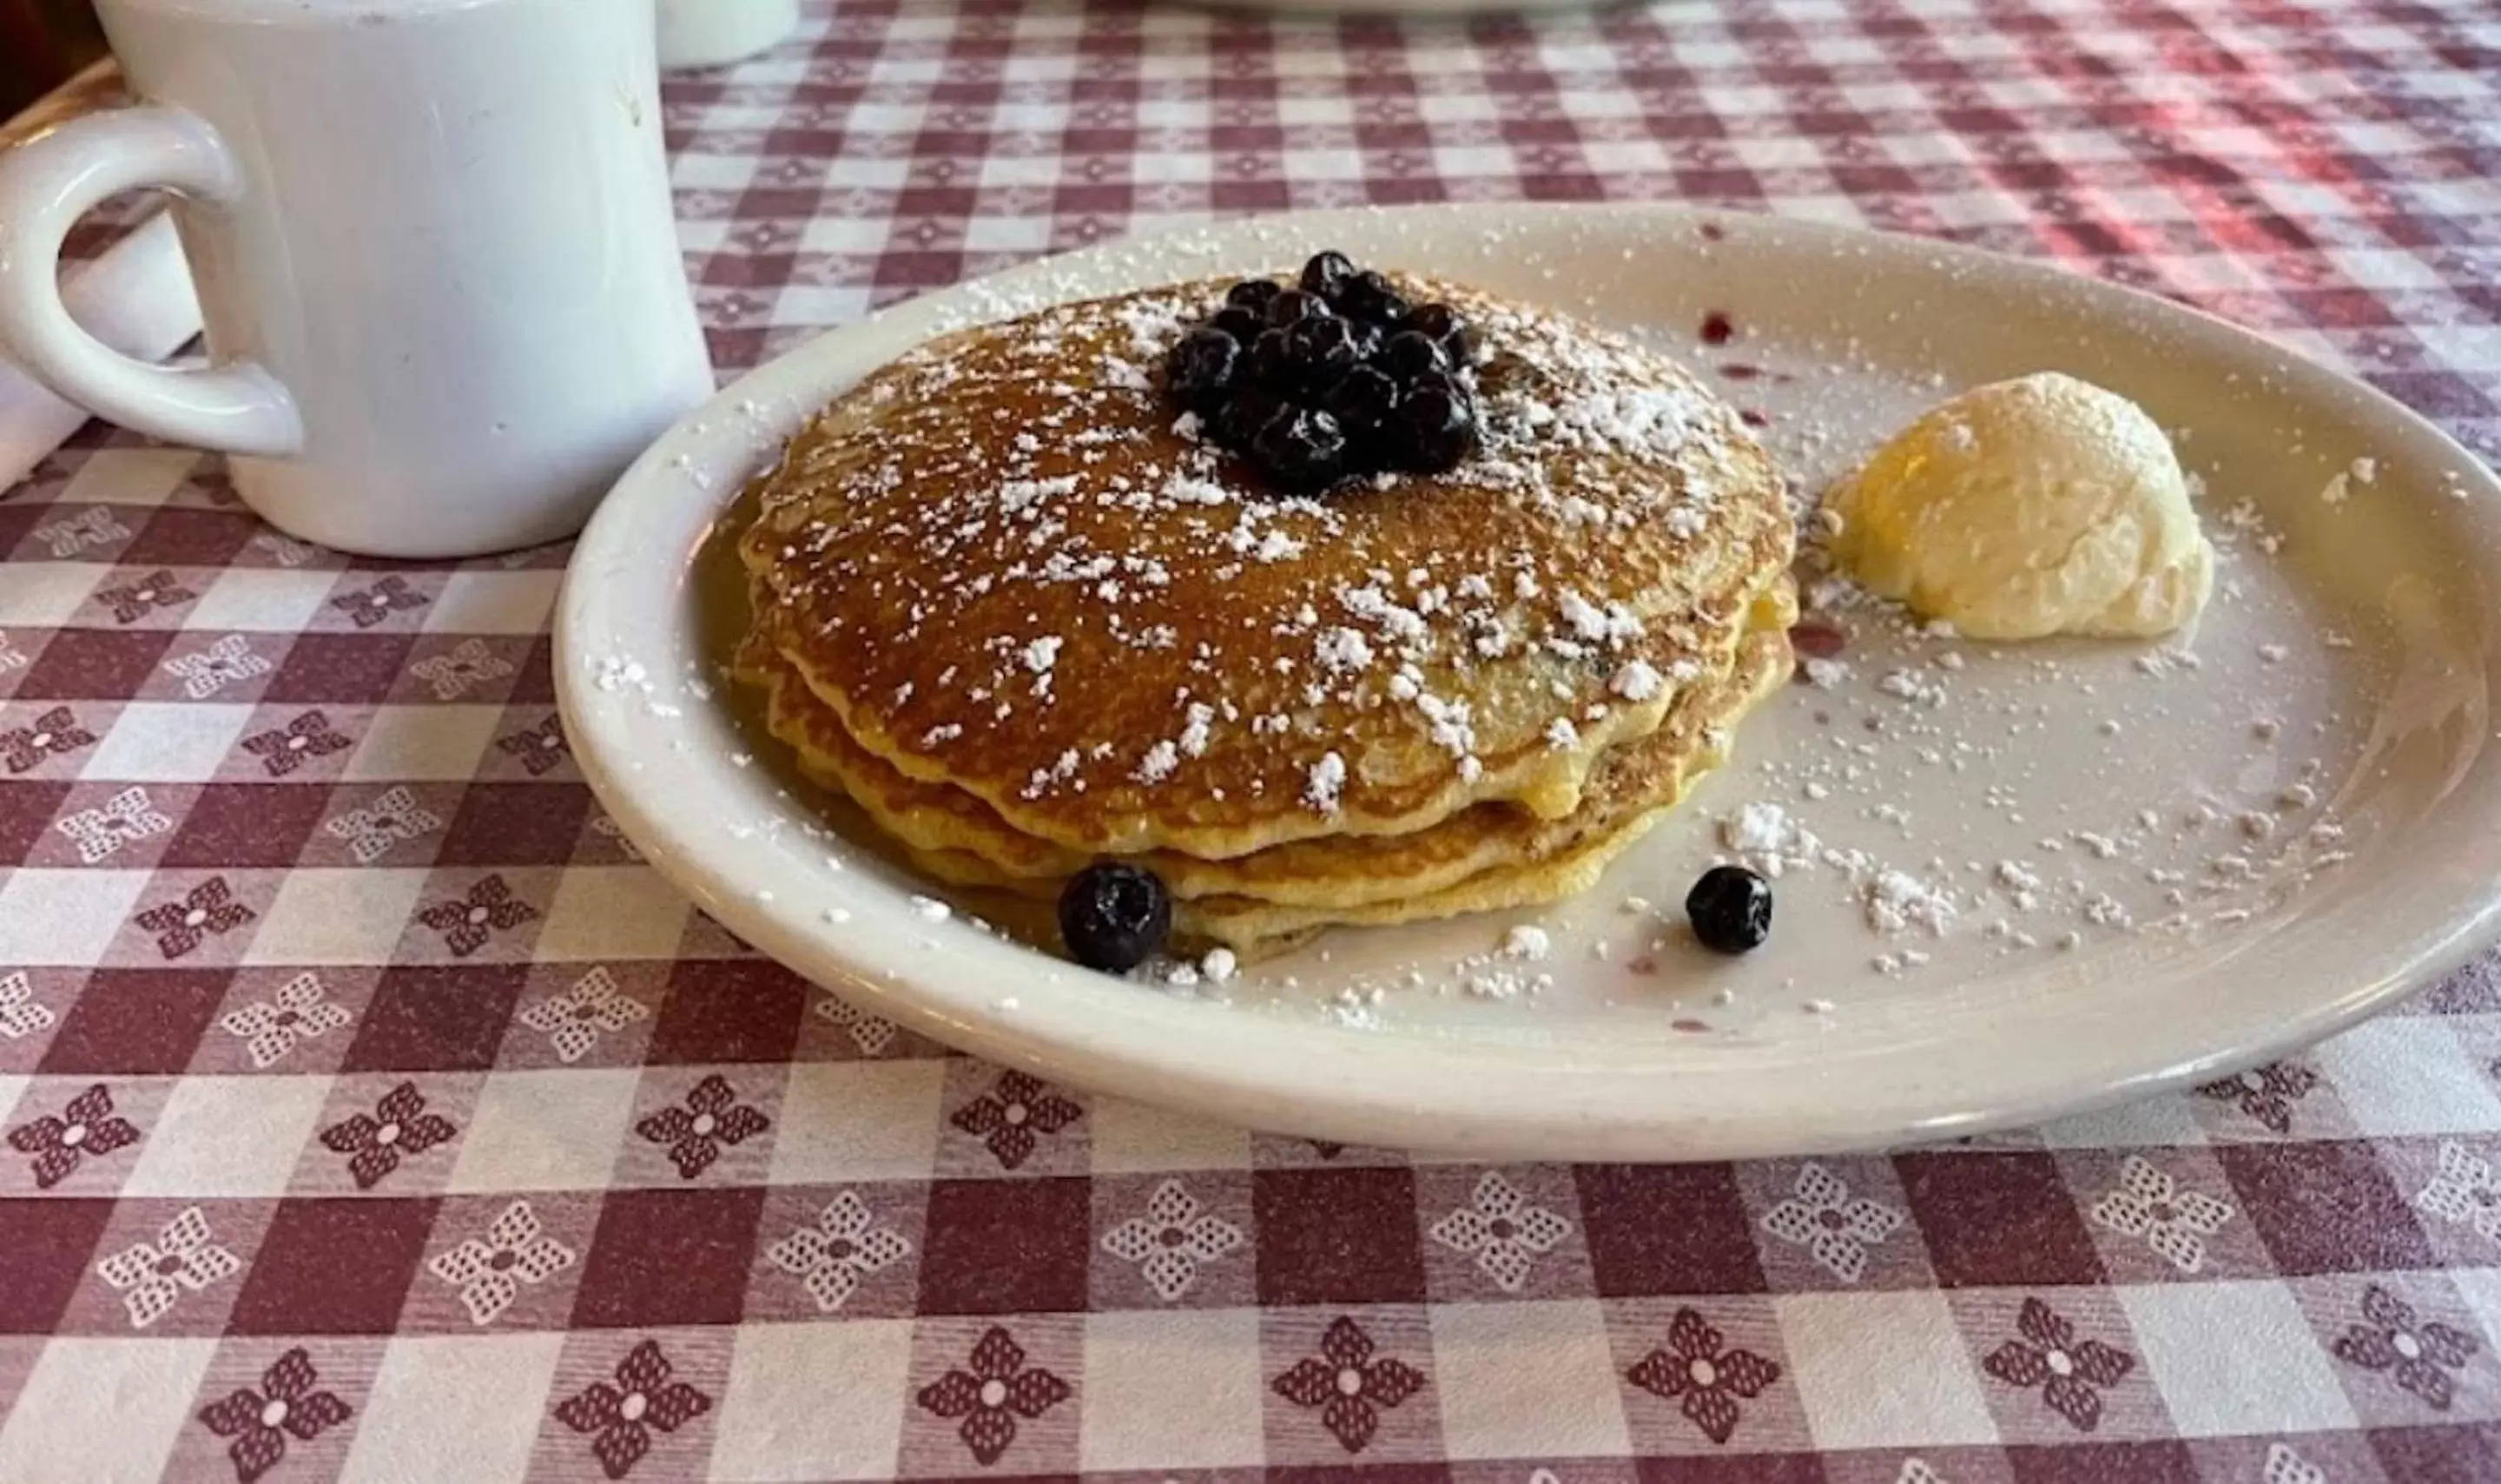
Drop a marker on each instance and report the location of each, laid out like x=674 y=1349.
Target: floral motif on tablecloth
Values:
x=1171 y=1240
x=399 y=1125
x=55 y=734
x=536 y=749
x=490 y=1270
x=10 y=656
x=620 y=1417
x=61 y=1143
x=206 y=911
x=995 y=1389
x=285 y=1405
x=135 y=600
x=21 y=1014
x=2417 y=1353
x=488 y=907
x=832 y=1255
x=211 y=670
x=1006 y=1118
x=286 y=550
x=1835 y=1227
x=2070 y=1372
x=461 y=669
x=1502 y=1231
x=1349 y=1386
x=1917 y=1470
x=609 y=829
x=2463 y=1190
x=712 y=1117
x=300 y=1010
x=283 y=750
x=2284 y=1465
x=152 y=1277
x=574 y=1019
x=2173 y=1222
x=1705 y=1375
x=94 y=526
x=101 y=832
x=2266 y=1093
x=393 y=816
x=369 y=606
x=871 y=1034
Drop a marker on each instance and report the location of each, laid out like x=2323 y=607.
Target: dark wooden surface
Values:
x=42 y=43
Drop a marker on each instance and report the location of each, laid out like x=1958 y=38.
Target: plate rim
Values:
x=1382 y=1088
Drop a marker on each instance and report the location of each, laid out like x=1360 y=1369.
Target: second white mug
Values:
x=709 y=33
x=434 y=248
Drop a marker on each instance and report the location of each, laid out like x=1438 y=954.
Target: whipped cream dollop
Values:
x=2022 y=509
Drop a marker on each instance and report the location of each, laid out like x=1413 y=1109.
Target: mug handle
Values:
x=49 y=181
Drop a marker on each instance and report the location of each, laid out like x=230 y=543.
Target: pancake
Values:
x=1002 y=567
x=964 y=841
x=1518 y=861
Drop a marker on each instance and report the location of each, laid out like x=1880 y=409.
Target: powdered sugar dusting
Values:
x=1094 y=531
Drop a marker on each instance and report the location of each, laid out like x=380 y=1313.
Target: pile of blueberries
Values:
x=1337 y=377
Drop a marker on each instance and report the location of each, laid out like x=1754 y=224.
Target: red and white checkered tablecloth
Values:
x=371 y=1111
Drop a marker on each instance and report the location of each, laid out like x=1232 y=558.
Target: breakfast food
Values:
x=1730 y=910
x=2029 y=508
x=1114 y=916
x=1430 y=611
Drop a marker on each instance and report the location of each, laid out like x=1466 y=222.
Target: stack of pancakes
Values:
x=1021 y=613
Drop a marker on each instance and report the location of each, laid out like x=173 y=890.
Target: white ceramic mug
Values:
x=435 y=249
x=709 y=33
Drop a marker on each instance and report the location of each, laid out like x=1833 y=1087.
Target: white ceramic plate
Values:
x=2338 y=703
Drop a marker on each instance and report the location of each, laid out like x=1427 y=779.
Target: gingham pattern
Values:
x=373 y=1112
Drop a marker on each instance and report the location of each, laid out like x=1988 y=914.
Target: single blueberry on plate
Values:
x=1730 y=909
x=1114 y=916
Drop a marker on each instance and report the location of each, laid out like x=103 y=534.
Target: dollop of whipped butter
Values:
x=2022 y=509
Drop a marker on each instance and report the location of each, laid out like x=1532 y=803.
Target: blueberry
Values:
x=1293 y=305
x=1411 y=355
x=1442 y=324
x=1730 y=909
x=1319 y=351
x=1114 y=917
x=1435 y=426
x=1368 y=296
x=1300 y=451
x=1243 y=324
x=1202 y=367
x=1271 y=363
x=1362 y=400
x=1326 y=274
x=1252 y=294
x=1249 y=410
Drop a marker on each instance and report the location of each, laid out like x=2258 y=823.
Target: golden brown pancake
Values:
x=1025 y=617
x=1484 y=857
x=1007 y=567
